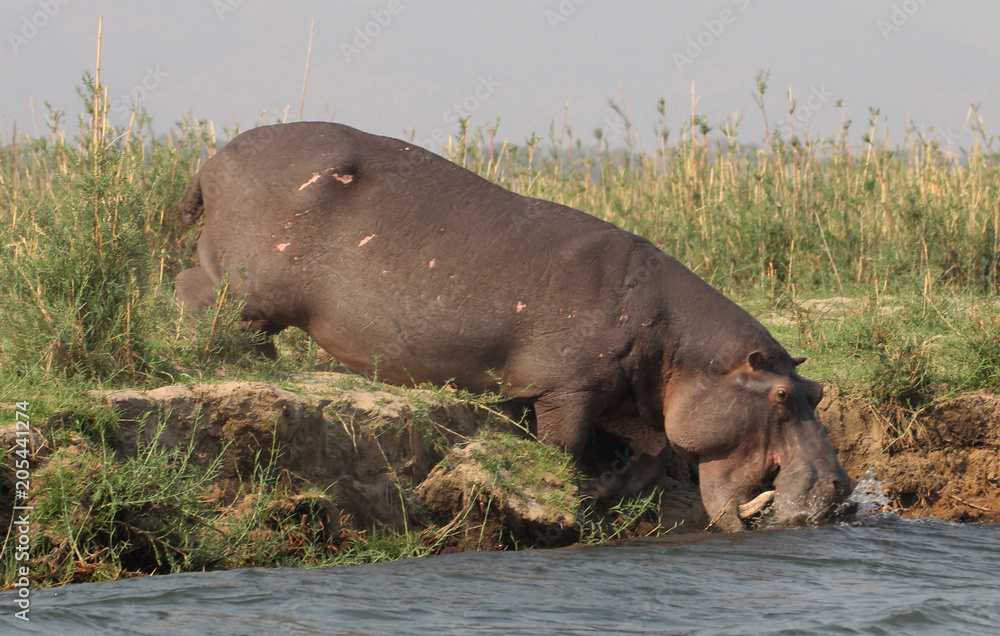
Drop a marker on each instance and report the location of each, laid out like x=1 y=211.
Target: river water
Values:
x=883 y=575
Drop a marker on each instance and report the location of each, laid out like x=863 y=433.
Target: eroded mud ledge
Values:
x=942 y=462
x=353 y=459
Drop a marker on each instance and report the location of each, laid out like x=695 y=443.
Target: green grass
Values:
x=624 y=519
x=99 y=516
x=516 y=464
x=383 y=545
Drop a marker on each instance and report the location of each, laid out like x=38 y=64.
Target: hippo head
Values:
x=750 y=425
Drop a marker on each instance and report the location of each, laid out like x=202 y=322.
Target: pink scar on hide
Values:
x=282 y=246
x=520 y=306
x=345 y=179
x=313 y=179
x=431 y=264
x=366 y=239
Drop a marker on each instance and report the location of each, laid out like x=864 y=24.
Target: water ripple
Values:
x=882 y=575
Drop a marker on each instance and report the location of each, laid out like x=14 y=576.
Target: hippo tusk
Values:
x=755 y=505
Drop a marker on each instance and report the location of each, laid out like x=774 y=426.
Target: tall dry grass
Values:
x=92 y=243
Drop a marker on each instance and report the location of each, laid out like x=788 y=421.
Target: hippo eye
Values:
x=781 y=394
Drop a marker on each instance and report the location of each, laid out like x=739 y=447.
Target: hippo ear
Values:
x=798 y=361
x=756 y=360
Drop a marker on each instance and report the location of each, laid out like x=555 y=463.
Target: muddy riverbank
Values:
x=322 y=466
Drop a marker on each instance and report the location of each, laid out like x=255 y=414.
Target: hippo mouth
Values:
x=755 y=510
x=762 y=511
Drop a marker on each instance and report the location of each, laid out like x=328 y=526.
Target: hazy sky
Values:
x=392 y=66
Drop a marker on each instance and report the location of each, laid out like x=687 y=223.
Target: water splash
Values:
x=869 y=496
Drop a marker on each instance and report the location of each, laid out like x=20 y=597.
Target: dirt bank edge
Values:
x=940 y=462
x=357 y=460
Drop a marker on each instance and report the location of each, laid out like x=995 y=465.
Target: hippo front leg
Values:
x=565 y=419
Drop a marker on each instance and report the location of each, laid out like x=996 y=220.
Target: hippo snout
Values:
x=799 y=502
x=830 y=495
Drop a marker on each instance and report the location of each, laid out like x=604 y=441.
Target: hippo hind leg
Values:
x=196 y=292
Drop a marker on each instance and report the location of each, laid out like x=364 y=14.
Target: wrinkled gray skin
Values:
x=398 y=261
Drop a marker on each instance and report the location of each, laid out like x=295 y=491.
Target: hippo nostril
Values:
x=842 y=488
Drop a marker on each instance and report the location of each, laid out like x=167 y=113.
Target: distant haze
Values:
x=400 y=67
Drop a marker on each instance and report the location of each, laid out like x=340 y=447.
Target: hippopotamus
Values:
x=402 y=264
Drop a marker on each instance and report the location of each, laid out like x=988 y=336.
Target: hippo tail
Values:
x=192 y=204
